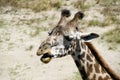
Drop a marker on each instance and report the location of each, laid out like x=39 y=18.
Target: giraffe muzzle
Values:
x=46 y=55
x=46 y=58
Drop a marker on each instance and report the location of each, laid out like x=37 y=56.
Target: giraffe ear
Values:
x=89 y=36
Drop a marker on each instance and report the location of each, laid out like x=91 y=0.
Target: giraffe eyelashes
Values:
x=55 y=44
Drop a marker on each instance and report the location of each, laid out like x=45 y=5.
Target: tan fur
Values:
x=103 y=63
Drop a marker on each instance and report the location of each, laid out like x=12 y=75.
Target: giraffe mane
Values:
x=102 y=61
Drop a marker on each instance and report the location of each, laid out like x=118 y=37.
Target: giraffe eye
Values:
x=55 y=44
x=45 y=47
x=68 y=38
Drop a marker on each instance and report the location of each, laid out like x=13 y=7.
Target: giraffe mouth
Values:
x=46 y=58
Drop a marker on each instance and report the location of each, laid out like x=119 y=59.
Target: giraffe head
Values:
x=45 y=46
x=62 y=39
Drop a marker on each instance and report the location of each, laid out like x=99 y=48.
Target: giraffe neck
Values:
x=87 y=64
x=101 y=60
x=62 y=21
x=75 y=20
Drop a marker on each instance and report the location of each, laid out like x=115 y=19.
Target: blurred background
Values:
x=25 y=23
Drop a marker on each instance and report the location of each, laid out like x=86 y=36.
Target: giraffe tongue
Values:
x=46 y=58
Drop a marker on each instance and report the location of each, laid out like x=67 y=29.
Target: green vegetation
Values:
x=98 y=23
x=93 y=23
x=111 y=11
x=114 y=19
x=109 y=2
x=30 y=48
x=10 y=46
x=80 y=4
x=34 y=30
x=37 y=31
x=1 y=23
x=17 y=70
x=77 y=76
x=111 y=15
x=13 y=72
x=107 y=21
x=35 y=5
x=112 y=38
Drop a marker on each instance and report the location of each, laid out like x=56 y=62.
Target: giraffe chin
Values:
x=46 y=58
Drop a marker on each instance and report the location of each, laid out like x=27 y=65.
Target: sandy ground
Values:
x=18 y=60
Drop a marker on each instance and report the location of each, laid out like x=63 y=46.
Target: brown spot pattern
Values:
x=103 y=71
x=88 y=50
x=94 y=77
x=100 y=78
x=97 y=66
x=90 y=69
x=107 y=77
x=89 y=58
x=83 y=46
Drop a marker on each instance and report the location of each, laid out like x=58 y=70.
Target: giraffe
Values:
x=64 y=14
x=62 y=22
x=67 y=40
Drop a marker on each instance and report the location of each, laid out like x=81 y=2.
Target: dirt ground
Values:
x=18 y=60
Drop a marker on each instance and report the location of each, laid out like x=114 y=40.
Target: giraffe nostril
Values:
x=38 y=54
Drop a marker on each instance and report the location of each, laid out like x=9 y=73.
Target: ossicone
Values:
x=80 y=15
x=65 y=13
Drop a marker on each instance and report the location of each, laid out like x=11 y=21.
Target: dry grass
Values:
x=80 y=4
x=35 y=5
x=1 y=23
x=104 y=23
x=111 y=11
x=109 y=2
x=93 y=23
x=109 y=20
x=112 y=38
